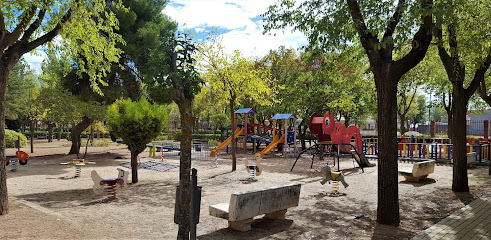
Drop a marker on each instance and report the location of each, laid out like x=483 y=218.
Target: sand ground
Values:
x=45 y=203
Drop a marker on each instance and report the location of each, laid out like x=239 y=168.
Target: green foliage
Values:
x=11 y=137
x=220 y=121
x=21 y=81
x=329 y=25
x=137 y=123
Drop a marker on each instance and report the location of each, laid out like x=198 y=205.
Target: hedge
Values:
x=11 y=137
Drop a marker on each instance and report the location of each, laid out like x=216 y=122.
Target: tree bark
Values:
x=232 y=127
x=302 y=135
x=4 y=206
x=50 y=131
x=388 y=184
x=31 y=128
x=60 y=131
x=402 y=119
x=134 y=167
x=185 y=110
x=460 y=181
x=75 y=134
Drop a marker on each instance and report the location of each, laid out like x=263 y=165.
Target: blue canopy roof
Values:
x=285 y=116
x=245 y=110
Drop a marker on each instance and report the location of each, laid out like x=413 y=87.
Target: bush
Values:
x=11 y=137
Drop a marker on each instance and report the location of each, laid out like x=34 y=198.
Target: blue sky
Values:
x=238 y=21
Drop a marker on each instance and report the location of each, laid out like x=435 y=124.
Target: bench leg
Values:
x=276 y=215
x=243 y=225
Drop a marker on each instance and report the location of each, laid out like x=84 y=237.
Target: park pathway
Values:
x=470 y=222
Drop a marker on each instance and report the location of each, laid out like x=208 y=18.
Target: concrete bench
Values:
x=420 y=170
x=244 y=206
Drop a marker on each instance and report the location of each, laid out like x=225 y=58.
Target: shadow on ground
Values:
x=261 y=228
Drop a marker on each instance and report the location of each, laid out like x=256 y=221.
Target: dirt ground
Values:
x=45 y=203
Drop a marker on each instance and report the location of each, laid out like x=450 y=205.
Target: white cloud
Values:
x=35 y=60
x=235 y=16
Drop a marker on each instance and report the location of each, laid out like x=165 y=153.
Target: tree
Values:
x=86 y=30
x=178 y=80
x=137 y=123
x=186 y=83
x=232 y=78
x=463 y=43
x=311 y=83
x=330 y=24
x=421 y=107
x=406 y=97
x=21 y=80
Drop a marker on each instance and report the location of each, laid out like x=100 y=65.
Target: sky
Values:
x=237 y=21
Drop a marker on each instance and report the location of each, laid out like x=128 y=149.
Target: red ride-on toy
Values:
x=20 y=155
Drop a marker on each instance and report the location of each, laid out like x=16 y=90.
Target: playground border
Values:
x=470 y=222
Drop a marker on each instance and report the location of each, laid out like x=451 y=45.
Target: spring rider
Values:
x=113 y=184
x=335 y=177
x=254 y=169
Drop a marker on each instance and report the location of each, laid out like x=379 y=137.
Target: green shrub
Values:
x=11 y=137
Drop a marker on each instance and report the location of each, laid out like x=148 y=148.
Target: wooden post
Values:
x=486 y=129
x=245 y=133
x=432 y=129
x=274 y=133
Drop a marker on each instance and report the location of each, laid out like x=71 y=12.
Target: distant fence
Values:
x=429 y=148
x=199 y=152
x=475 y=128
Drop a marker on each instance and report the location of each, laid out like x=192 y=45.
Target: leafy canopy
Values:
x=137 y=123
x=86 y=29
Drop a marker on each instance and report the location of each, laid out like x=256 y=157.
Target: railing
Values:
x=428 y=149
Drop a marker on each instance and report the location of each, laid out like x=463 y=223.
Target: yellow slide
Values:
x=272 y=144
x=238 y=132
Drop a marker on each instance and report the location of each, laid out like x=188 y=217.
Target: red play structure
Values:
x=327 y=130
x=337 y=136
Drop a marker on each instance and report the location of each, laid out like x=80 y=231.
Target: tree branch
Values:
x=396 y=17
x=35 y=25
x=49 y=35
x=367 y=39
x=478 y=77
x=2 y=24
x=444 y=56
x=420 y=43
x=10 y=38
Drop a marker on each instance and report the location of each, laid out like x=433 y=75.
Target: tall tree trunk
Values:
x=388 y=185
x=76 y=132
x=91 y=136
x=185 y=168
x=402 y=119
x=459 y=132
x=50 y=131
x=4 y=206
x=60 y=131
x=302 y=135
x=232 y=127
x=31 y=128
x=134 y=166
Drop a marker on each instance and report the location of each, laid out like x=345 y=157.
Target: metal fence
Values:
x=474 y=127
x=429 y=148
x=199 y=152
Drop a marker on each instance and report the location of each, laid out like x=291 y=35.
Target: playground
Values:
x=46 y=203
